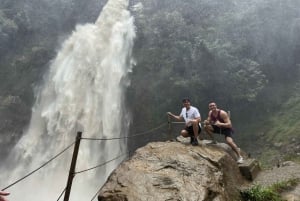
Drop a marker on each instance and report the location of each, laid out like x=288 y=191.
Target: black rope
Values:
x=146 y=132
x=95 y=195
x=61 y=194
x=38 y=167
x=100 y=164
x=138 y=134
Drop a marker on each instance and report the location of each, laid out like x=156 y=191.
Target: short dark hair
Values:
x=186 y=100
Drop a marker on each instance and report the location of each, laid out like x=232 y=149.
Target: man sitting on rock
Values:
x=192 y=118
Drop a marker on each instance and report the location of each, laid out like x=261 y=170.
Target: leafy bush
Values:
x=259 y=193
x=271 y=193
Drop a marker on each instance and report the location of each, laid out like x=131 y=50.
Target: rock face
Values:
x=175 y=171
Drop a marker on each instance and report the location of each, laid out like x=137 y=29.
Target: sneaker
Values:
x=240 y=160
x=192 y=139
x=195 y=142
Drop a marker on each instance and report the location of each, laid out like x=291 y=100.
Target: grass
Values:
x=292 y=157
x=285 y=124
x=271 y=193
x=269 y=158
x=282 y=128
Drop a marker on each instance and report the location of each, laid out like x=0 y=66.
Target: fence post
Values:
x=169 y=127
x=72 y=167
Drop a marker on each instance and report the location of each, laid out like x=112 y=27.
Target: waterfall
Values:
x=83 y=91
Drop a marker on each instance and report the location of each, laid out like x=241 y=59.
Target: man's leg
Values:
x=210 y=131
x=234 y=147
x=184 y=133
x=188 y=132
x=195 y=128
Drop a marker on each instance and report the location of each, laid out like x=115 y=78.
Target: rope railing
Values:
x=100 y=165
x=92 y=168
x=43 y=165
x=135 y=135
x=61 y=194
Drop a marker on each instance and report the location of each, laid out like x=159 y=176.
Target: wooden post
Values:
x=72 y=167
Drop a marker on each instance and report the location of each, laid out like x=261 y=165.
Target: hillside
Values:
x=279 y=135
x=285 y=127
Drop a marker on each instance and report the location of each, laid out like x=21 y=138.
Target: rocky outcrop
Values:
x=176 y=171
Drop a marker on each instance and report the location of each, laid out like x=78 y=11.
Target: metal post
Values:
x=72 y=167
x=169 y=127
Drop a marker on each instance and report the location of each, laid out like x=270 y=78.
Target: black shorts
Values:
x=190 y=130
x=224 y=131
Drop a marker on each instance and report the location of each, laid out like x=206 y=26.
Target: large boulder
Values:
x=175 y=171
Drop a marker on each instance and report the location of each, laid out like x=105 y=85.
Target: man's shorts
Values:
x=190 y=130
x=224 y=131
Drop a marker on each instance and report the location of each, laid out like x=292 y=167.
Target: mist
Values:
x=244 y=55
x=82 y=91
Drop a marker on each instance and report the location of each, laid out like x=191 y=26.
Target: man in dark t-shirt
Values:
x=218 y=121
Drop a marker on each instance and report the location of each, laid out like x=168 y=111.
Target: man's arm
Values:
x=179 y=118
x=198 y=119
x=227 y=121
x=207 y=121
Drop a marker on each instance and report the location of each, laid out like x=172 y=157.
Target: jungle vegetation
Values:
x=244 y=55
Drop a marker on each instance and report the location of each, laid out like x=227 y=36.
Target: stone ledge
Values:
x=250 y=168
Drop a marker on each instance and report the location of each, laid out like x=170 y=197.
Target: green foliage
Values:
x=285 y=125
x=258 y=193
x=271 y=193
x=241 y=54
x=7 y=25
x=237 y=74
x=278 y=134
x=292 y=157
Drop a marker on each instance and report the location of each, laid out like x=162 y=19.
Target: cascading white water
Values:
x=83 y=91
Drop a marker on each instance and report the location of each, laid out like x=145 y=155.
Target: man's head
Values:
x=212 y=106
x=186 y=102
